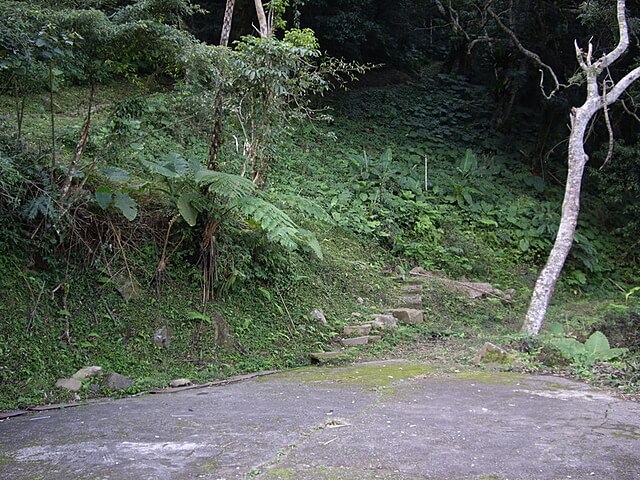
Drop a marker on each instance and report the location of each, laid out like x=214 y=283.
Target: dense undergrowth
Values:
x=358 y=182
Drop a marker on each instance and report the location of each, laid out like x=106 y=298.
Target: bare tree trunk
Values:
x=262 y=20
x=598 y=97
x=82 y=143
x=546 y=283
x=226 y=25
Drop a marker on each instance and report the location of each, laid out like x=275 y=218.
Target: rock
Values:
x=384 y=322
x=87 y=372
x=412 y=300
x=127 y=286
x=71 y=384
x=319 y=316
x=411 y=288
x=490 y=353
x=357 y=329
x=161 y=337
x=509 y=294
x=222 y=333
x=375 y=338
x=328 y=357
x=408 y=315
x=180 y=382
x=351 y=342
x=360 y=300
x=419 y=271
x=471 y=290
x=356 y=315
x=115 y=381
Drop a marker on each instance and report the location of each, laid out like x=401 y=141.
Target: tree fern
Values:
x=307 y=207
x=277 y=225
x=229 y=186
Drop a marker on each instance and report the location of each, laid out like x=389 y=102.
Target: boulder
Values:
x=115 y=381
x=317 y=314
x=408 y=316
x=71 y=384
x=87 y=372
x=357 y=330
x=490 y=353
x=180 y=382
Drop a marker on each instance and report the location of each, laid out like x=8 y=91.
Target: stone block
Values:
x=384 y=322
x=357 y=330
x=351 y=342
x=408 y=316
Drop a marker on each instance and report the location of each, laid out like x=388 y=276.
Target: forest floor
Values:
x=391 y=419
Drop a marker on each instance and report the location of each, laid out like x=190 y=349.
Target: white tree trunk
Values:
x=262 y=19
x=226 y=24
x=580 y=119
x=545 y=285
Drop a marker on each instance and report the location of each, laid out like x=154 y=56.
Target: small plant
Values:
x=596 y=348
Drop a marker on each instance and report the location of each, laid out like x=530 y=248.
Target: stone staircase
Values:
x=371 y=329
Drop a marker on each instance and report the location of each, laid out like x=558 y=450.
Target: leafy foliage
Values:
x=595 y=348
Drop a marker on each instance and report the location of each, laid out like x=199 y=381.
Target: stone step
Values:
x=409 y=316
x=328 y=357
x=357 y=329
x=408 y=280
x=364 y=340
x=384 y=321
x=411 y=301
x=411 y=288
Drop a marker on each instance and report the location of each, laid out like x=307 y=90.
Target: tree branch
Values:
x=527 y=53
x=623 y=43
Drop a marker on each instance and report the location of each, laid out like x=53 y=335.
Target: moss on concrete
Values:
x=370 y=376
x=492 y=378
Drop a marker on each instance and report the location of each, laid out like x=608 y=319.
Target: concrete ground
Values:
x=383 y=420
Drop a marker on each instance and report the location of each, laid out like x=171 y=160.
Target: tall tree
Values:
x=265 y=30
x=226 y=25
x=602 y=91
x=216 y=131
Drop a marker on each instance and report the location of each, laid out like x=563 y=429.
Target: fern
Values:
x=308 y=208
x=229 y=186
x=277 y=225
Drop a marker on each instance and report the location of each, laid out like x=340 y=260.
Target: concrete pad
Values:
x=388 y=420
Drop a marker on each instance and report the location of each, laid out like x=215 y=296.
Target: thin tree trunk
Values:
x=262 y=19
x=546 y=283
x=82 y=143
x=53 y=122
x=226 y=24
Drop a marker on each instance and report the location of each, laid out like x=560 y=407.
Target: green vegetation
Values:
x=149 y=180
